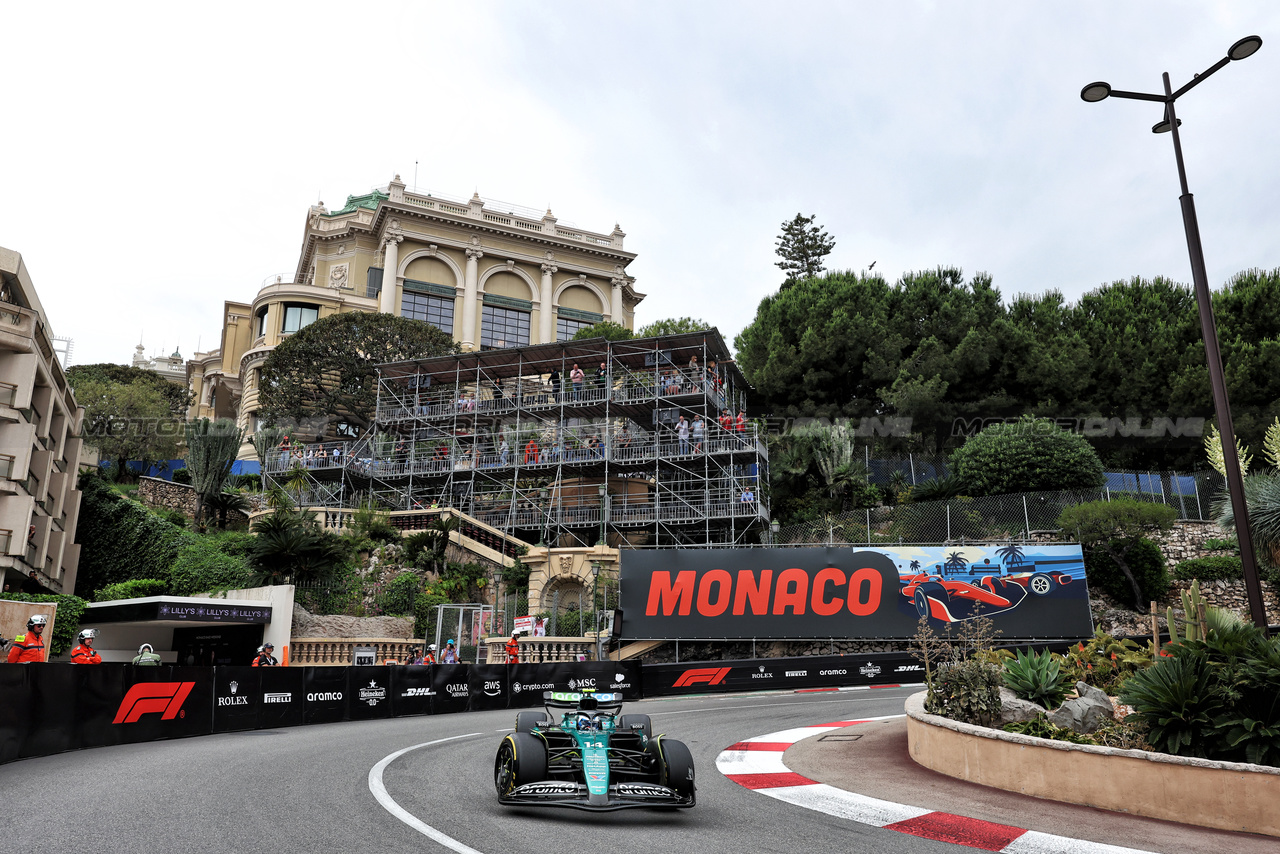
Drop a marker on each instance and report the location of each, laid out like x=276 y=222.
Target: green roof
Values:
x=369 y=201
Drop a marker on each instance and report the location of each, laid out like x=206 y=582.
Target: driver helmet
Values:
x=586 y=722
x=40 y=620
x=146 y=647
x=87 y=635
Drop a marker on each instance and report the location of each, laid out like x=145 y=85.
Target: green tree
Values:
x=1118 y=530
x=1030 y=455
x=211 y=449
x=177 y=397
x=328 y=370
x=604 y=329
x=802 y=246
x=128 y=421
x=672 y=326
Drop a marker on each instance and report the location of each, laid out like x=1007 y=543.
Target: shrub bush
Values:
x=121 y=539
x=203 y=566
x=1038 y=677
x=135 y=589
x=176 y=518
x=401 y=594
x=1221 y=567
x=182 y=475
x=1030 y=455
x=966 y=691
x=1145 y=561
x=66 y=623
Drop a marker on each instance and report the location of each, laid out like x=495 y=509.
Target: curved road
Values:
x=308 y=789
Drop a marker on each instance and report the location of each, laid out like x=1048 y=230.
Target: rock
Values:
x=1085 y=714
x=308 y=625
x=1015 y=710
x=1087 y=691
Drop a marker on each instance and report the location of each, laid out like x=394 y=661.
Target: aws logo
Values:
x=145 y=698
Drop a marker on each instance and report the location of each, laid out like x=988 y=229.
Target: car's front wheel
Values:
x=677 y=767
x=521 y=759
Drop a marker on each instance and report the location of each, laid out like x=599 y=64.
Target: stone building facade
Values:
x=491 y=274
x=40 y=442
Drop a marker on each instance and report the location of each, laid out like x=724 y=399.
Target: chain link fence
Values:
x=1002 y=517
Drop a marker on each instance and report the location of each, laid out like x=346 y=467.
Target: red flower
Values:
x=1081 y=645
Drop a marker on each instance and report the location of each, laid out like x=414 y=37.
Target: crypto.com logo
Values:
x=710 y=675
x=147 y=697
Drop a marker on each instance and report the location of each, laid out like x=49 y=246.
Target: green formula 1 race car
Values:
x=593 y=758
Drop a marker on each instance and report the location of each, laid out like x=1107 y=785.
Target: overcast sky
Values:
x=156 y=161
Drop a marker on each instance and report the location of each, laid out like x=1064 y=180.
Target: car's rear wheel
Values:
x=677 y=767
x=529 y=721
x=627 y=722
x=522 y=758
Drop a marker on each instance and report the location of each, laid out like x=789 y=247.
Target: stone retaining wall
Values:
x=1227 y=594
x=158 y=492
x=1225 y=795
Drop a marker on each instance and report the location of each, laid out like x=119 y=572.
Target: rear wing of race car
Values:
x=581 y=700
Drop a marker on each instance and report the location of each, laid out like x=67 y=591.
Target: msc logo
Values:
x=710 y=675
x=147 y=697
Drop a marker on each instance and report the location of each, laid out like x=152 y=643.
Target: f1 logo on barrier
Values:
x=710 y=675
x=147 y=697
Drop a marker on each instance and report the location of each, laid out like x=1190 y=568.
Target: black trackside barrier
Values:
x=325 y=693
x=765 y=674
x=163 y=702
x=237 y=697
x=368 y=692
x=283 y=699
x=528 y=681
x=451 y=688
x=410 y=690
x=489 y=684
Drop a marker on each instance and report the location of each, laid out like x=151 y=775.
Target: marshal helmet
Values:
x=40 y=620
x=86 y=635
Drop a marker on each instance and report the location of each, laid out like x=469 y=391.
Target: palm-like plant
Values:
x=225 y=502
x=1262 y=497
x=955 y=563
x=1011 y=555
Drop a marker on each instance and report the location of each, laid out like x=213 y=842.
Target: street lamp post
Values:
x=604 y=511
x=1094 y=92
x=773 y=532
x=595 y=614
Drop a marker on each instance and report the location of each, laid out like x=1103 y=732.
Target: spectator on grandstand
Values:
x=147 y=656
x=602 y=376
x=682 y=433
x=748 y=496
x=577 y=376
x=513 y=649
x=31 y=584
x=504 y=450
x=28 y=648
x=84 y=653
x=531 y=452
x=699 y=431
x=740 y=426
x=554 y=381
x=265 y=657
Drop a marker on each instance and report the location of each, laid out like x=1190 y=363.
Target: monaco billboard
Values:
x=1028 y=590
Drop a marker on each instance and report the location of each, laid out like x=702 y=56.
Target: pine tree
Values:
x=802 y=246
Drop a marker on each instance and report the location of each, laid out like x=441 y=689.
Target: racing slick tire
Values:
x=529 y=721
x=1040 y=584
x=926 y=591
x=521 y=759
x=676 y=769
x=626 y=722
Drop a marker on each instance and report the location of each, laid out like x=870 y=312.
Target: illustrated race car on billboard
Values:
x=594 y=758
x=958 y=590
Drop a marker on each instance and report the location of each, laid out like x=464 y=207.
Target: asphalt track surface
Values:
x=422 y=784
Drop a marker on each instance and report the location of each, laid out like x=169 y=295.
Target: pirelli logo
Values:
x=709 y=675
x=144 y=698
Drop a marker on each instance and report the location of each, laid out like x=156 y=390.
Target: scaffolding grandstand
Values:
x=635 y=442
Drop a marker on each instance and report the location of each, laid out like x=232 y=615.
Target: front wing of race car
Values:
x=563 y=793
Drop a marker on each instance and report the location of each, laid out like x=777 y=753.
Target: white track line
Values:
x=389 y=803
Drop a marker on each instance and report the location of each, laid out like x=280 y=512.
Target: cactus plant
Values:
x=1193 y=610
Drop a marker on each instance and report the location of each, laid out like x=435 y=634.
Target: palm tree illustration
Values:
x=1011 y=555
x=955 y=563
x=915 y=566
